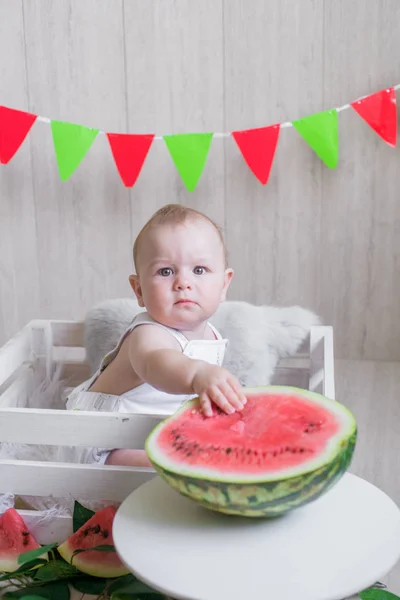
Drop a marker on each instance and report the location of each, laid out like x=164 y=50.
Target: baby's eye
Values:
x=199 y=270
x=165 y=272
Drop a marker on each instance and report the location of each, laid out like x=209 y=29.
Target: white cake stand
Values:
x=327 y=550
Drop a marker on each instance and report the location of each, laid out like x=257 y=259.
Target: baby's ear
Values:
x=227 y=281
x=137 y=288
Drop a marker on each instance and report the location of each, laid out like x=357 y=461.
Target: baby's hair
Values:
x=174 y=214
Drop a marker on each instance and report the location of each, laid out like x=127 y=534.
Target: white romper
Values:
x=143 y=399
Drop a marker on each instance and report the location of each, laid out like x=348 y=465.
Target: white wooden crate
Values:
x=40 y=348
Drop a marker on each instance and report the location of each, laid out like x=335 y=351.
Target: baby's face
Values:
x=181 y=276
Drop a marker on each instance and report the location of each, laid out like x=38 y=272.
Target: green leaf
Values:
x=374 y=594
x=71 y=143
x=101 y=548
x=379 y=584
x=320 y=131
x=24 y=568
x=189 y=152
x=81 y=516
x=104 y=548
x=56 y=569
x=31 y=564
x=89 y=585
x=135 y=589
x=121 y=582
x=31 y=597
x=32 y=554
x=58 y=590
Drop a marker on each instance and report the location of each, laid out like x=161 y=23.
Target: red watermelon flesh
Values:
x=15 y=538
x=282 y=432
x=97 y=531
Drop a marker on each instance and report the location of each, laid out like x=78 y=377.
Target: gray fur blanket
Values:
x=258 y=335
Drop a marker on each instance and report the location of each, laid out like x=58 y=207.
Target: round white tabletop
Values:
x=328 y=550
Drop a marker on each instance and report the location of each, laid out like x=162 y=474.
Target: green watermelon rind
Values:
x=277 y=493
x=90 y=567
x=262 y=499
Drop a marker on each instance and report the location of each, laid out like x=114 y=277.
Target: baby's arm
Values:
x=156 y=357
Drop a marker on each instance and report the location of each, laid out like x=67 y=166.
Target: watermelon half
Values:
x=15 y=538
x=97 y=531
x=284 y=449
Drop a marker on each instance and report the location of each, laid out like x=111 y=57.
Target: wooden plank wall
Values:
x=328 y=240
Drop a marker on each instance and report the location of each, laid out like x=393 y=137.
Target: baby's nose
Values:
x=182 y=282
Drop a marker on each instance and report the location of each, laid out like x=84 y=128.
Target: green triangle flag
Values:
x=189 y=152
x=71 y=144
x=321 y=132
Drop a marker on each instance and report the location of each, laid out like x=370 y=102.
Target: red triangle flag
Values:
x=258 y=149
x=129 y=152
x=14 y=127
x=379 y=111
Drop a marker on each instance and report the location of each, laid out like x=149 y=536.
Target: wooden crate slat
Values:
x=70 y=428
x=67 y=333
x=322 y=378
x=292 y=377
x=65 y=480
x=294 y=362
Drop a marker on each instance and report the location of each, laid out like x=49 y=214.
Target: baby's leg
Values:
x=128 y=458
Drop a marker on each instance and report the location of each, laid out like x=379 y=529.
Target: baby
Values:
x=170 y=353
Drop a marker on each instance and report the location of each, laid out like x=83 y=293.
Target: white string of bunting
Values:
x=228 y=134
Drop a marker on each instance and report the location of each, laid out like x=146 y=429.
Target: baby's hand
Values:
x=215 y=384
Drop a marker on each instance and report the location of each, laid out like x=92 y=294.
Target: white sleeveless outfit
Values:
x=143 y=399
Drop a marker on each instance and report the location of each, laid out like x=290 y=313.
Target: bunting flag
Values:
x=14 y=127
x=379 y=111
x=189 y=152
x=71 y=144
x=320 y=131
x=258 y=149
x=129 y=152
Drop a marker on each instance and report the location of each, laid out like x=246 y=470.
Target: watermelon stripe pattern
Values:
x=270 y=499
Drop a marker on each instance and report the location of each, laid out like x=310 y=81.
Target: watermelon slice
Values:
x=97 y=531
x=284 y=449
x=15 y=538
